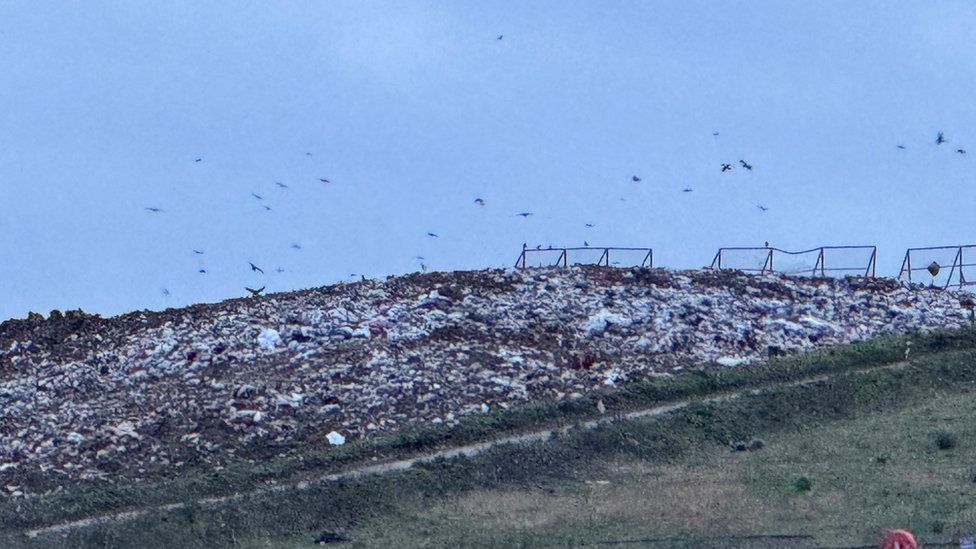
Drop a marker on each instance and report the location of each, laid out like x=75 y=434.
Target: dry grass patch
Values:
x=631 y=494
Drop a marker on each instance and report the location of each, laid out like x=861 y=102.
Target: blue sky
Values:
x=414 y=109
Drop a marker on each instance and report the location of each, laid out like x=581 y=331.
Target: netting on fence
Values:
x=824 y=261
x=611 y=257
x=940 y=266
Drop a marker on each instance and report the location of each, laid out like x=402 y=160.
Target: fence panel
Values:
x=940 y=266
x=585 y=255
x=823 y=261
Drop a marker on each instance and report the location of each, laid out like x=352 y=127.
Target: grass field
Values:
x=867 y=473
x=866 y=440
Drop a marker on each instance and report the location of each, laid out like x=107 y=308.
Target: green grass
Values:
x=713 y=492
x=423 y=504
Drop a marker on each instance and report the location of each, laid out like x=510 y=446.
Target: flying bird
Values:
x=940 y=139
x=500 y=36
x=198 y=160
x=423 y=267
x=165 y=292
x=255 y=293
x=590 y=225
x=524 y=214
x=635 y=179
x=726 y=167
x=202 y=271
x=324 y=180
x=714 y=134
x=268 y=208
x=585 y=243
x=419 y=258
x=259 y=197
x=255 y=267
x=296 y=246
x=761 y=207
x=961 y=151
x=432 y=235
x=687 y=190
x=308 y=154
x=746 y=165
x=198 y=252
x=280 y=184
x=279 y=270
x=154 y=210
x=479 y=201
x=902 y=147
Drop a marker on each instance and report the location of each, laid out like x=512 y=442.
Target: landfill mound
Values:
x=85 y=397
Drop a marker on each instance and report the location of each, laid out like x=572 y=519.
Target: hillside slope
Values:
x=83 y=397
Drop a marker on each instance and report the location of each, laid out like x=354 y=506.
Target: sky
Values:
x=412 y=110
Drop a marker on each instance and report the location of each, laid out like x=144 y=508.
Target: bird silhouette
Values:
x=279 y=270
x=280 y=184
x=761 y=207
x=202 y=271
x=766 y=244
x=940 y=139
x=585 y=243
x=198 y=160
x=902 y=147
x=423 y=267
x=686 y=190
x=255 y=267
x=961 y=151
x=154 y=210
x=726 y=167
x=524 y=214
x=479 y=201
x=432 y=235
x=324 y=180
x=296 y=246
x=635 y=179
x=259 y=197
x=590 y=225
x=500 y=36
x=746 y=165
x=266 y=207
x=714 y=134
x=362 y=278
x=255 y=293
x=419 y=258
x=198 y=252
x=165 y=292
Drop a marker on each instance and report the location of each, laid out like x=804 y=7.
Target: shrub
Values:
x=802 y=484
x=945 y=440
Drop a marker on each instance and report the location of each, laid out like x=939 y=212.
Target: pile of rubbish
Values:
x=84 y=397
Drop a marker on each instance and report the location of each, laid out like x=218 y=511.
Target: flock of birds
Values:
x=724 y=167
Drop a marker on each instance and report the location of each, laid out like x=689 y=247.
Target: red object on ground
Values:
x=899 y=539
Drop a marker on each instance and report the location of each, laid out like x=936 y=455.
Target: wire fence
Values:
x=822 y=261
x=585 y=255
x=937 y=266
x=945 y=265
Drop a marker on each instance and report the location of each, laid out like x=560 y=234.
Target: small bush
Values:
x=802 y=484
x=945 y=440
